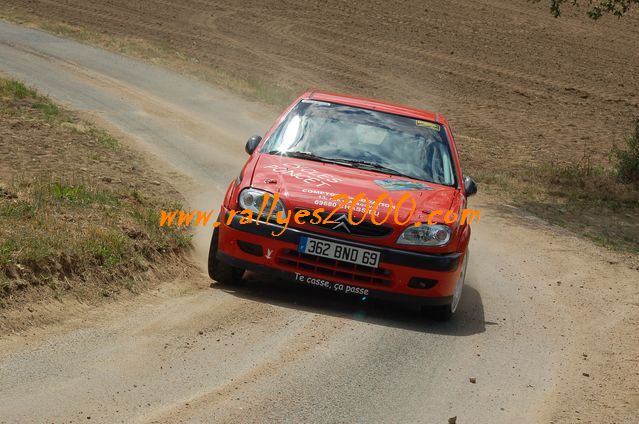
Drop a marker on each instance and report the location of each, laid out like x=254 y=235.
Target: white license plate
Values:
x=341 y=252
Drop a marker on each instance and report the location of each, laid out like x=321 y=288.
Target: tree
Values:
x=596 y=8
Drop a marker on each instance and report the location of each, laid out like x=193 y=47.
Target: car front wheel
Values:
x=446 y=312
x=220 y=271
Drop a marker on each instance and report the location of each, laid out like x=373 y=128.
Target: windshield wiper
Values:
x=346 y=162
x=294 y=154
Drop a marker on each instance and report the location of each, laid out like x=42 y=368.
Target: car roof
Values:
x=374 y=105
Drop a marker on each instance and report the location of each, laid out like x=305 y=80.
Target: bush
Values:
x=628 y=159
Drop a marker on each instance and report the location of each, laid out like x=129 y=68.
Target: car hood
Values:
x=310 y=185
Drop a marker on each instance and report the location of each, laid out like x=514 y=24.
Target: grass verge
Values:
x=587 y=200
x=78 y=211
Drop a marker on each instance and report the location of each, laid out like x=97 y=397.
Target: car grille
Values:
x=333 y=268
x=365 y=229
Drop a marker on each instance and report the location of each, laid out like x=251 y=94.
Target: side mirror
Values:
x=470 y=187
x=252 y=143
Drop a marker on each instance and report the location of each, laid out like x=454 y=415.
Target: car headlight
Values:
x=253 y=199
x=425 y=235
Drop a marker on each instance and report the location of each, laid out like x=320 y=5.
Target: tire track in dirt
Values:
x=312 y=335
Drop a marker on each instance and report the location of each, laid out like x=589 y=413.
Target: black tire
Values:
x=446 y=312
x=220 y=271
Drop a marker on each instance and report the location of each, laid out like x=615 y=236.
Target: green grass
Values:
x=56 y=227
x=166 y=236
x=18 y=210
x=627 y=159
x=106 y=140
x=6 y=286
x=581 y=182
x=7 y=247
x=100 y=136
x=106 y=234
x=588 y=200
x=137 y=196
x=107 y=247
x=29 y=248
x=16 y=90
x=16 y=95
x=80 y=195
x=49 y=109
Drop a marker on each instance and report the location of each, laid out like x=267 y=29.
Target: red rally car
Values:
x=388 y=161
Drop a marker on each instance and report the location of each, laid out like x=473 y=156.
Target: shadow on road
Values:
x=469 y=319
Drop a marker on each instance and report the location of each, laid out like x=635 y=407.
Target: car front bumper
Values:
x=253 y=247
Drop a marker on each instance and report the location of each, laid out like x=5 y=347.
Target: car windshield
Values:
x=366 y=139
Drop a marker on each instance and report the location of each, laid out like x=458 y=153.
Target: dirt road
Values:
x=536 y=302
